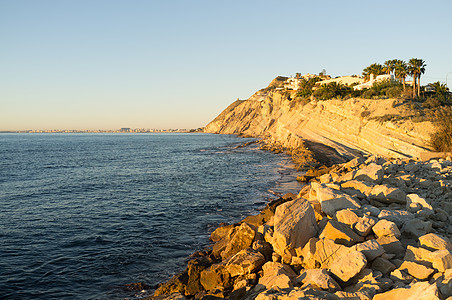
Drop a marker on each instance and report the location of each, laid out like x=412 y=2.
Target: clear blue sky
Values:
x=106 y=64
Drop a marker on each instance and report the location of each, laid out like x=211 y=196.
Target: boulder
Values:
x=387 y=194
x=347 y=266
x=398 y=275
x=321 y=253
x=332 y=200
x=347 y=216
x=245 y=262
x=175 y=285
x=318 y=278
x=221 y=232
x=441 y=260
x=294 y=225
x=416 y=270
x=414 y=200
x=391 y=245
x=419 y=255
x=277 y=275
x=340 y=233
x=386 y=228
x=383 y=265
x=364 y=225
x=419 y=290
x=373 y=173
x=434 y=241
x=194 y=269
x=371 y=249
x=360 y=186
x=241 y=238
x=416 y=227
x=215 y=277
x=397 y=216
x=372 y=210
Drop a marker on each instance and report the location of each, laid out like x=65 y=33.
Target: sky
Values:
x=107 y=64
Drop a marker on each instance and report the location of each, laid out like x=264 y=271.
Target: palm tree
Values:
x=375 y=69
x=401 y=71
x=416 y=68
x=389 y=66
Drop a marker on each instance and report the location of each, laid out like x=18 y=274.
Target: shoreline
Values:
x=244 y=254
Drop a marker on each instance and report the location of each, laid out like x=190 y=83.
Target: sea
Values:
x=82 y=215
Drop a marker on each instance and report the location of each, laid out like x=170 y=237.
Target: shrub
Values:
x=393 y=91
x=332 y=90
x=365 y=113
x=431 y=102
x=369 y=94
x=441 y=139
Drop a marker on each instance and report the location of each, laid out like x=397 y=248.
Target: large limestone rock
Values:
x=340 y=233
x=387 y=194
x=391 y=245
x=245 y=262
x=371 y=249
x=419 y=255
x=318 y=278
x=419 y=290
x=241 y=238
x=397 y=216
x=361 y=186
x=221 y=232
x=215 y=277
x=347 y=216
x=175 y=285
x=277 y=275
x=364 y=225
x=372 y=173
x=434 y=241
x=321 y=253
x=383 y=265
x=441 y=260
x=348 y=265
x=416 y=227
x=416 y=270
x=386 y=228
x=194 y=269
x=294 y=225
x=332 y=200
x=414 y=200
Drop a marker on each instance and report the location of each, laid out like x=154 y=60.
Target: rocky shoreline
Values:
x=369 y=228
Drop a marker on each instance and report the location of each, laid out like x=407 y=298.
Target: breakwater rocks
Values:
x=370 y=228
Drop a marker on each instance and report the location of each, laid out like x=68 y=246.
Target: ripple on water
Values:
x=85 y=214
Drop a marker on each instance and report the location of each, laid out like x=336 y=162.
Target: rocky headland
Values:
x=374 y=223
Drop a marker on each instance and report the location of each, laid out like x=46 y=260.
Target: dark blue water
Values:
x=83 y=214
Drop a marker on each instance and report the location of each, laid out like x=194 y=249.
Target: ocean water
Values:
x=81 y=215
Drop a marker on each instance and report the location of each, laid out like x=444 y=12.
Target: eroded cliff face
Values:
x=346 y=126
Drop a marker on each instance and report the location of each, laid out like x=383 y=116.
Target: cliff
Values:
x=346 y=127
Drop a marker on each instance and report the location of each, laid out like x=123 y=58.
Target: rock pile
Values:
x=367 y=229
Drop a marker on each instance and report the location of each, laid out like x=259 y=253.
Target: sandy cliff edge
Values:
x=345 y=126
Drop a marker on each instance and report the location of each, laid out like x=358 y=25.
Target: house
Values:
x=372 y=80
x=345 y=80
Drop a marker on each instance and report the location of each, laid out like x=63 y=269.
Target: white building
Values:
x=372 y=80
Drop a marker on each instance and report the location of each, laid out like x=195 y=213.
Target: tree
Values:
x=441 y=91
x=401 y=71
x=389 y=66
x=416 y=68
x=375 y=69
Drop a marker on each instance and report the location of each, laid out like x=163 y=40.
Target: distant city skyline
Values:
x=88 y=65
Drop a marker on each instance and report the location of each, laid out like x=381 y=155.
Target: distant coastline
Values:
x=122 y=130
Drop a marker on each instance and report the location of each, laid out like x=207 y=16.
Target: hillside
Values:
x=348 y=128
